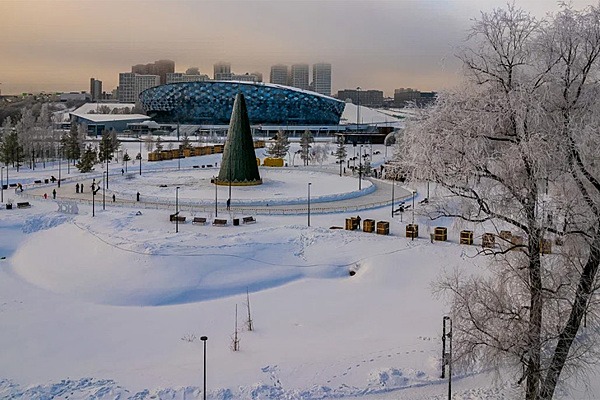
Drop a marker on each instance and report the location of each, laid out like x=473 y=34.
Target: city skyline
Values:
x=382 y=45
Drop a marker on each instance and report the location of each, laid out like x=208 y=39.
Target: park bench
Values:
x=219 y=222
x=176 y=218
x=199 y=220
x=23 y=204
x=37 y=181
x=248 y=220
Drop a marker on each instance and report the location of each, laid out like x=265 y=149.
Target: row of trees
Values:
x=33 y=139
x=308 y=153
x=516 y=145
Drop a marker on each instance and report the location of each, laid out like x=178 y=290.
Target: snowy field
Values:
x=113 y=306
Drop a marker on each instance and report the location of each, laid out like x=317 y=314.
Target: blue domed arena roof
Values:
x=211 y=102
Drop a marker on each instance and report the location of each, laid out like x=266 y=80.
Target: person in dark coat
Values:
x=138 y=196
x=54 y=193
x=77 y=188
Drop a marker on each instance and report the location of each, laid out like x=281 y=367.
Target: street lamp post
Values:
x=360 y=168
x=308 y=203
x=94 y=197
x=204 y=339
x=2 y=183
x=414 y=192
x=104 y=174
x=179 y=149
x=106 y=157
x=393 y=186
x=357 y=107
x=140 y=155
x=216 y=186
x=59 y=167
x=354 y=156
x=447 y=355
x=177 y=209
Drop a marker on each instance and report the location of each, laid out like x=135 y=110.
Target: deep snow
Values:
x=113 y=306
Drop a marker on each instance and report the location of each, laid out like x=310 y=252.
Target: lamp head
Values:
x=204 y=338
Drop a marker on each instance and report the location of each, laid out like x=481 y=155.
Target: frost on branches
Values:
x=516 y=147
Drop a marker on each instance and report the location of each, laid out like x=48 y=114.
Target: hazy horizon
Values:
x=384 y=45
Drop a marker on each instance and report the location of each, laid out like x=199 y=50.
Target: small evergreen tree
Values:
x=159 y=144
x=105 y=151
x=88 y=159
x=114 y=141
x=126 y=159
x=340 y=152
x=185 y=142
x=71 y=143
x=305 y=144
x=280 y=147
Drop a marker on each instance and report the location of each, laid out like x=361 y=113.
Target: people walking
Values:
x=54 y=193
x=138 y=196
x=77 y=188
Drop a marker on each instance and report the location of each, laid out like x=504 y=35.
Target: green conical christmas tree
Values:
x=239 y=160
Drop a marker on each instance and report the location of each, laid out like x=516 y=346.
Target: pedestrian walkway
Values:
x=380 y=197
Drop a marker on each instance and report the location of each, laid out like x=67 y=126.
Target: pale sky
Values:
x=57 y=45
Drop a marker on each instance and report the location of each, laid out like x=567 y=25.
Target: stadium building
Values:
x=211 y=103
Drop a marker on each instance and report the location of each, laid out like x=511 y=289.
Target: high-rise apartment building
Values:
x=322 y=78
x=160 y=68
x=279 y=74
x=368 y=98
x=247 y=77
x=95 y=89
x=177 y=77
x=132 y=84
x=406 y=96
x=299 y=76
x=222 y=71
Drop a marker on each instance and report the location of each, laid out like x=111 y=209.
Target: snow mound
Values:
x=41 y=222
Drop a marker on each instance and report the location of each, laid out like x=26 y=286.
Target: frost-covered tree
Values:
x=9 y=146
x=306 y=141
x=515 y=146
x=340 y=152
x=149 y=143
x=185 y=142
x=26 y=133
x=319 y=153
x=280 y=147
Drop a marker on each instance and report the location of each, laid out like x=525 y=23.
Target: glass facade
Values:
x=211 y=102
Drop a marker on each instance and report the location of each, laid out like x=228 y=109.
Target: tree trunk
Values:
x=535 y=314
x=569 y=332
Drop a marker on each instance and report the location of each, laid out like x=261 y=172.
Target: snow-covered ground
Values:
x=113 y=306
